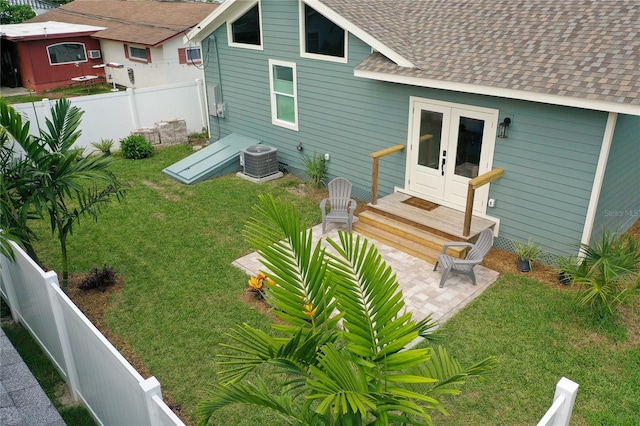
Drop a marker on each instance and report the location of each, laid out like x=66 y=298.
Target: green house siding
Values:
x=549 y=157
x=338 y=114
x=619 y=204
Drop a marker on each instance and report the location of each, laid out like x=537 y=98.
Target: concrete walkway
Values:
x=22 y=400
x=418 y=281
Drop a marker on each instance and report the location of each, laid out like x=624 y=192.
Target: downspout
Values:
x=599 y=177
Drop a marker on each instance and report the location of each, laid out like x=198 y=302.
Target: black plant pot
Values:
x=524 y=265
x=106 y=153
x=563 y=278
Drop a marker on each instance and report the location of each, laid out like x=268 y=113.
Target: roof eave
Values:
x=209 y=24
x=596 y=105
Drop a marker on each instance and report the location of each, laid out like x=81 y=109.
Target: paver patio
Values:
x=418 y=281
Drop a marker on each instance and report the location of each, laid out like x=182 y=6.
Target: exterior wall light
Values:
x=502 y=128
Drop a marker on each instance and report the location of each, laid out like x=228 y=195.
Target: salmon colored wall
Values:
x=38 y=75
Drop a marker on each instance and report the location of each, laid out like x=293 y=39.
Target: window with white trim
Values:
x=284 y=98
x=321 y=38
x=65 y=53
x=245 y=30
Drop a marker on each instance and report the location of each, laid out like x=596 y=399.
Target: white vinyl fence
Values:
x=97 y=374
x=115 y=115
x=559 y=414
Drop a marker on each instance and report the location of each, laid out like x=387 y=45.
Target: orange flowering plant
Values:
x=258 y=284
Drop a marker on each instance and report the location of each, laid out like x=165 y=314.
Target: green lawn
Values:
x=66 y=92
x=174 y=245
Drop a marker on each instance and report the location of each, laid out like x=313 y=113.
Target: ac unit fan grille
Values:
x=259 y=161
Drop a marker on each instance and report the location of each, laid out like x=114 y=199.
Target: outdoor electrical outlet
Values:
x=326 y=157
x=492 y=202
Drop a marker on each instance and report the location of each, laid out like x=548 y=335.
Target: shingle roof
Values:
x=586 y=49
x=148 y=23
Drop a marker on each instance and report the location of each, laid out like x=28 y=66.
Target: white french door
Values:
x=448 y=145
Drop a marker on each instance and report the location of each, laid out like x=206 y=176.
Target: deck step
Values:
x=410 y=247
x=404 y=236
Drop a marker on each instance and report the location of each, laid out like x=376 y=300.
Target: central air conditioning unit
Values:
x=259 y=161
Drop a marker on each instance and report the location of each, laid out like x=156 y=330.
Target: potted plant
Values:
x=104 y=146
x=527 y=253
x=567 y=267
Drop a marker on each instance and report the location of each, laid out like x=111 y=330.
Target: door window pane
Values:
x=430 y=139
x=470 y=132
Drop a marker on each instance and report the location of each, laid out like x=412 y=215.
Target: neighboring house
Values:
x=143 y=36
x=349 y=78
x=38 y=6
x=43 y=56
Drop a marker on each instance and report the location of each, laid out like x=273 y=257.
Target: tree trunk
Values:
x=65 y=266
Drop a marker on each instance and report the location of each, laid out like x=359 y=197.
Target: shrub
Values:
x=607 y=272
x=99 y=279
x=104 y=146
x=136 y=147
x=316 y=168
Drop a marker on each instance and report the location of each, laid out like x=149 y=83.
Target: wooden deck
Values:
x=416 y=231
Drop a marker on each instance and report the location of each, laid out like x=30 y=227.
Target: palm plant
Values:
x=55 y=178
x=345 y=357
x=16 y=188
x=607 y=271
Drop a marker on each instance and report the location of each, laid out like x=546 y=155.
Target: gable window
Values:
x=65 y=53
x=321 y=38
x=246 y=30
x=137 y=53
x=284 y=102
x=190 y=55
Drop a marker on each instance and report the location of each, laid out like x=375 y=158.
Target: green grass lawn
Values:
x=66 y=92
x=174 y=245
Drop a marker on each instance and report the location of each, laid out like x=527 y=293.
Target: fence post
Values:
x=151 y=388
x=568 y=389
x=202 y=103
x=133 y=107
x=71 y=373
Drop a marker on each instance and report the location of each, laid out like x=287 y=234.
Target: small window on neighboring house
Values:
x=65 y=53
x=284 y=102
x=189 y=55
x=321 y=38
x=138 y=54
x=245 y=31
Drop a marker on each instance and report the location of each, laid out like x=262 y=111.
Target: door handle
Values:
x=444 y=160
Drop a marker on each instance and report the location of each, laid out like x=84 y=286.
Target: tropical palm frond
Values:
x=375 y=319
x=246 y=393
x=62 y=127
x=339 y=384
x=300 y=290
x=291 y=355
x=5 y=246
x=449 y=373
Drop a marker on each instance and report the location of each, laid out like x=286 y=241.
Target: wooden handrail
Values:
x=376 y=165
x=474 y=184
